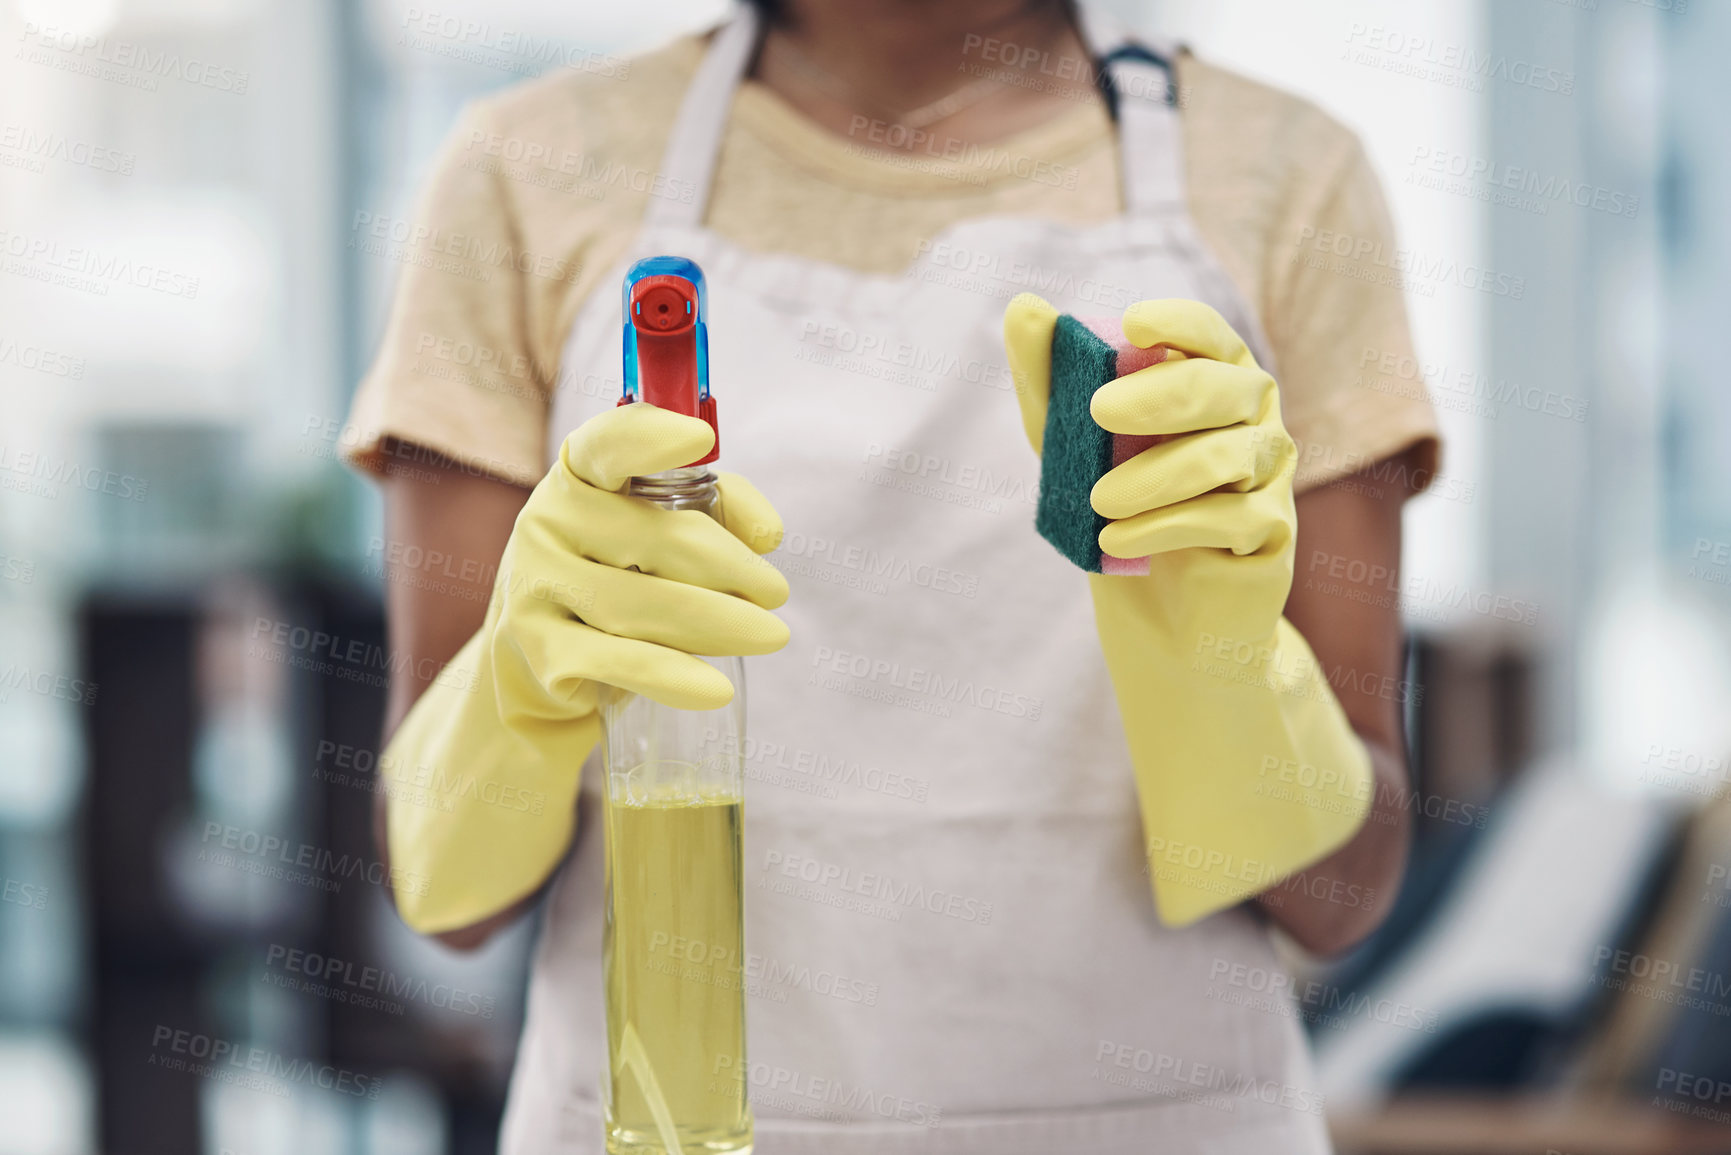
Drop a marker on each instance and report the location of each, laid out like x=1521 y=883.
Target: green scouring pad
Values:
x=1077 y=452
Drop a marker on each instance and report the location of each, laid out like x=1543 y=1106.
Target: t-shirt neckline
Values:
x=941 y=168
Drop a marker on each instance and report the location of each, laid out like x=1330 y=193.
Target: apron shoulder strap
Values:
x=1139 y=80
x=695 y=142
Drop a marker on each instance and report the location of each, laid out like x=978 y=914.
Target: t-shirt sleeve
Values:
x=1351 y=391
x=454 y=372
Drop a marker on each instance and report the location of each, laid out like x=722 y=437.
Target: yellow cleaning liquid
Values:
x=674 y=951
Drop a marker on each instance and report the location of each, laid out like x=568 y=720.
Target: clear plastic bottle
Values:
x=674 y=917
x=675 y=1080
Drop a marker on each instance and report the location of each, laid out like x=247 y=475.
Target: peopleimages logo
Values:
x=511 y=50
x=467 y=253
x=1675 y=983
x=37 y=147
x=40 y=359
x=353 y=659
x=537 y=162
x=985 y=159
x=862 y=348
x=881 y=565
x=137 y=65
x=200 y=1054
x=710 y=963
x=946 y=689
x=1171 y=1073
x=1699 y=1087
x=1515 y=185
x=1446 y=384
x=369 y=985
x=92 y=269
x=26 y=894
x=61 y=687
x=1319 y=1003
x=822 y=768
x=984 y=271
x=1427 y=58
x=41 y=474
x=880 y=887
x=806 y=1093
x=1360 y=257
x=268 y=855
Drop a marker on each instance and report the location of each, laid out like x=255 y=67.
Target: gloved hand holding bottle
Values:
x=1248 y=770
x=598 y=593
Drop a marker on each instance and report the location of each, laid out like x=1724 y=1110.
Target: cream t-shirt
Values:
x=540 y=188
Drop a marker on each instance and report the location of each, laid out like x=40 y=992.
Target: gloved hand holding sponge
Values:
x=1166 y=473
x=598 y=593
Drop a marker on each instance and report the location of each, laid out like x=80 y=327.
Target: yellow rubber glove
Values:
x=598 y=593
x=1246 y=766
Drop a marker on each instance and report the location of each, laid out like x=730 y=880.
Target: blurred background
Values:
x=194 y=952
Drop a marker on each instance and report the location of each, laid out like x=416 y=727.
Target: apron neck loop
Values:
x=1138 y=83
x=695 y=142
x=1140 y=86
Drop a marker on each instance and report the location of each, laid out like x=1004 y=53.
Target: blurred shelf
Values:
x=1524 y=1126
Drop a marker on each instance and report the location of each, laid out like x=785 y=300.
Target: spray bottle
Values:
x=675 y=1078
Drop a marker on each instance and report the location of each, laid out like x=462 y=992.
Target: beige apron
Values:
x=952 y=942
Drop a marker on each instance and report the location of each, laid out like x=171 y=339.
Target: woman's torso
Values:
x=951 y=940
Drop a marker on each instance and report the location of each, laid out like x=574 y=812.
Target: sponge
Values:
x=1076 y=453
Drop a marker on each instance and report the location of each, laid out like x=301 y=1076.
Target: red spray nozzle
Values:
x=663 y=304
x=663 y=311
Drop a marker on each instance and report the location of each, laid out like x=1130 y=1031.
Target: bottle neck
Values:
x=690 y=487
